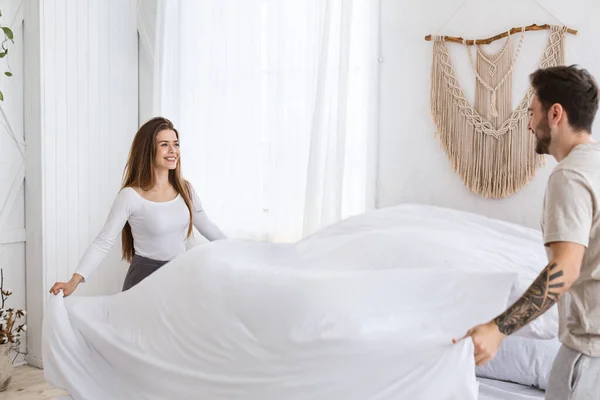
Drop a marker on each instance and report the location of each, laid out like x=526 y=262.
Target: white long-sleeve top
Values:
x=159 y=229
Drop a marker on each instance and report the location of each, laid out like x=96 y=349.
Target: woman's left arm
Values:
x=205 y=226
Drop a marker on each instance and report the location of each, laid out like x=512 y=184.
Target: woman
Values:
x=155 y=210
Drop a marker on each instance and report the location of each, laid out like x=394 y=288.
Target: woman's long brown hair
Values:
x=139 y=172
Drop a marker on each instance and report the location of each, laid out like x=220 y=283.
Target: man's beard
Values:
x=542 y=145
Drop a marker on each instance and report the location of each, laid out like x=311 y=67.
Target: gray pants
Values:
x=139 y=269
x=574 y=376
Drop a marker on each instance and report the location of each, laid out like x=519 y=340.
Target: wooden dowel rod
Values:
x=489 y=40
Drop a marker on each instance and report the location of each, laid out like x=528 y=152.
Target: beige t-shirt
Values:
x=571 y=214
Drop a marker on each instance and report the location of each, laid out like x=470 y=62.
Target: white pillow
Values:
x=522 y=360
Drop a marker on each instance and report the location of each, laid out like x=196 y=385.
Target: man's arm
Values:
x=555 y=280
x=544 y=292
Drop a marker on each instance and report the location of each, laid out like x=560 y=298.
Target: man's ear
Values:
x=556 y=114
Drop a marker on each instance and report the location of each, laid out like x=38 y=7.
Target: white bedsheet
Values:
x=345 y=314
x=488 y=390
x=498 y=390
x=420 y=236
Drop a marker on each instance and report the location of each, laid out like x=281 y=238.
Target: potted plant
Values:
x=8 y=36
x=10 y=334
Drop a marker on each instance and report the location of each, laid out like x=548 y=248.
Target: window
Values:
x=276 y=105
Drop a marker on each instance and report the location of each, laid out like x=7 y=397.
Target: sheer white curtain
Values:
x=276 y=104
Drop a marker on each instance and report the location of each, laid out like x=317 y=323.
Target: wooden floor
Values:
x=29 y=384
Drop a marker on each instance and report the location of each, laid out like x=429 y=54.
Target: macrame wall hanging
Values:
x=488 y=143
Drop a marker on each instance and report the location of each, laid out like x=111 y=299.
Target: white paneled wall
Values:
x=84 y=112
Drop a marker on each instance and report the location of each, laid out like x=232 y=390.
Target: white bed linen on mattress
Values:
x=422 y=236
x=490 y=389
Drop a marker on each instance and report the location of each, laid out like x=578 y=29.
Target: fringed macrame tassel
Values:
x=495 y=159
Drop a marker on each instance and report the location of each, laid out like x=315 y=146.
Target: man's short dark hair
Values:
x=574 y=88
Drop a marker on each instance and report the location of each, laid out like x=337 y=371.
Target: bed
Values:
x=490 y=389
x=363 y=309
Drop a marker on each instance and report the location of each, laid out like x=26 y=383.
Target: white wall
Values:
x=82 y=111
x=412 y=166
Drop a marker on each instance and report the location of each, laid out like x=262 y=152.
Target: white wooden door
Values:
x=12 y=159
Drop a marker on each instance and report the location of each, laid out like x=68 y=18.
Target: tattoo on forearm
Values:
x=540 y=296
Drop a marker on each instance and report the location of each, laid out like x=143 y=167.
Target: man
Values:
x=562 y=111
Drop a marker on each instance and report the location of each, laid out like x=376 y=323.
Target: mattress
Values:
x=490 y=389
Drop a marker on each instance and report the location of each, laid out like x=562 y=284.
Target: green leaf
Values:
x=8 y=32
x=1 y=97
x=2 y=54
x=8 y=73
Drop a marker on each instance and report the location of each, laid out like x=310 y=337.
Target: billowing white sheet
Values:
x=344 y=314
x=420 y=236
